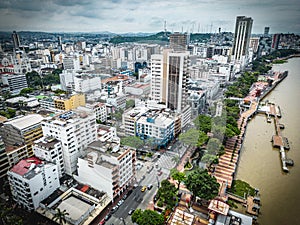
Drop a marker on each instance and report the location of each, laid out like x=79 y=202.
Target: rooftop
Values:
x=25 y=165
x=25 y=121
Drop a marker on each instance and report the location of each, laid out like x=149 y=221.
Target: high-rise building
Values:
x=31 y=181
x=266 y=31
x=242 y=34
x=16 y=40
x=75 y=129
x=275 y=41
x=178 y=42
x=15 y=82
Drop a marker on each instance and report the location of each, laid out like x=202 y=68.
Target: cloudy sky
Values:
x=121 y=16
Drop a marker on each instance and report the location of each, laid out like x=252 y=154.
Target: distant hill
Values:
x=160 y=37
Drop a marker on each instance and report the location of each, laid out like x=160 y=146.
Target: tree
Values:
x=203 y=123
x=60 y=216
x=167 y=194
x=130 y=103
x=202 y=184
x=193 y=137
x=26 y=91
x=179 y=176
x=147 y=217
x=132 y=141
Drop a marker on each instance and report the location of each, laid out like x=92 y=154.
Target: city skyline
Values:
x=120 y=16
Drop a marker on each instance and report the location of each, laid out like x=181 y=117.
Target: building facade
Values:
x=50 y=150
x=31 y=181
x=75 y=130
x=69 y=103
x=15 y=82
x=242 y=34
x=22 y=130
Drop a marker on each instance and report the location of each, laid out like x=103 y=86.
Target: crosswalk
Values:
x=166 y=160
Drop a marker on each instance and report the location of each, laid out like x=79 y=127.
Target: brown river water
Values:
x=260 y=163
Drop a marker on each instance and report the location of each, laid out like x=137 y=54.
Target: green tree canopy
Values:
x=202 y=184
x=167 y=194
x=26 y=91
x=130 y=103
x=147 y=217
x=203 y=123
x=193 y=137
x=132 y=141
x=179 y=176
x=214 y=146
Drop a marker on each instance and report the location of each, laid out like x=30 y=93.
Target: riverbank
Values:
x=259 y=162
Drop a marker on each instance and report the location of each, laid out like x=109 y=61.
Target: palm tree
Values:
x=60 y=216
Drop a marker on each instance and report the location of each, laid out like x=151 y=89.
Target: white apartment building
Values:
x=67 y=79
x=107 y=133
x=31 y=181
x=15 y=82
x=86 y=83
x=50 y=149
x=98 y=108
x=111 y=170
x=130 y=117
x=156 y=77
x=75 y=129
x=157 y=125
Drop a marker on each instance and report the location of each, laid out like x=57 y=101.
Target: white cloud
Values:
x=146 y=16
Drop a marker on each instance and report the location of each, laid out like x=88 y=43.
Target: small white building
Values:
x=50 y=149
x=86 y=83
x=107 y=168
x=32 y=180
x=98 y=108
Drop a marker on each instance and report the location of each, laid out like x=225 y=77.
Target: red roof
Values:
x=84 y=188
x=23 y=166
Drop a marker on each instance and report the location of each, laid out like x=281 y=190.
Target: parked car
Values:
x=107 y=217
x=149 y=186
x=124 y=197
x=102 y=222
x=131 y=211
x=115 y=208
x=120 y=202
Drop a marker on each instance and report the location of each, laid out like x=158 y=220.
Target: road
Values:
x=142 y=200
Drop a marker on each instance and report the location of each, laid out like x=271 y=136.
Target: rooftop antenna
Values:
x=165 y=27
x=211 y=25
x=198 y=27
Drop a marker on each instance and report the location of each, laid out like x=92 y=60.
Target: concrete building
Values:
x=16 y=40
x=157 y=125
x=98 y=108
x=242 y=34
x=22 y=130
x=178 y=42
x=31 y=181
x=4 y=164
x=107 y=134
x=15 y=82
x=21 y=62
x=85 y=83
x=130 y=117
x=107 y=168
x=15 y=154
x=50 y=150
x=75 y=129
x=68 y=103
x=67 y=79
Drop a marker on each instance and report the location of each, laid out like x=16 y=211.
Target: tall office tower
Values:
x=243 y=27
x=178 y=42
x=275 y=41
x=266 y=32
x=16 y=40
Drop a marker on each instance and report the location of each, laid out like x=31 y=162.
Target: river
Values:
x=260 y=163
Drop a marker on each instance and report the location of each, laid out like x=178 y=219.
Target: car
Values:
x=115 y=208
x=124 y=197
x=149 y=186
x=159 y=173
x=120 y=202
x=107 y=217
x=135 y=185
x=131 y=211
x=143 y=188
x=102 y=222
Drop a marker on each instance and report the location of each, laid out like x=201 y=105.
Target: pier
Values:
x=278 y=140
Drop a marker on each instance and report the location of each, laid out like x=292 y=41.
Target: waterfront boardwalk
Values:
x=224 y=171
